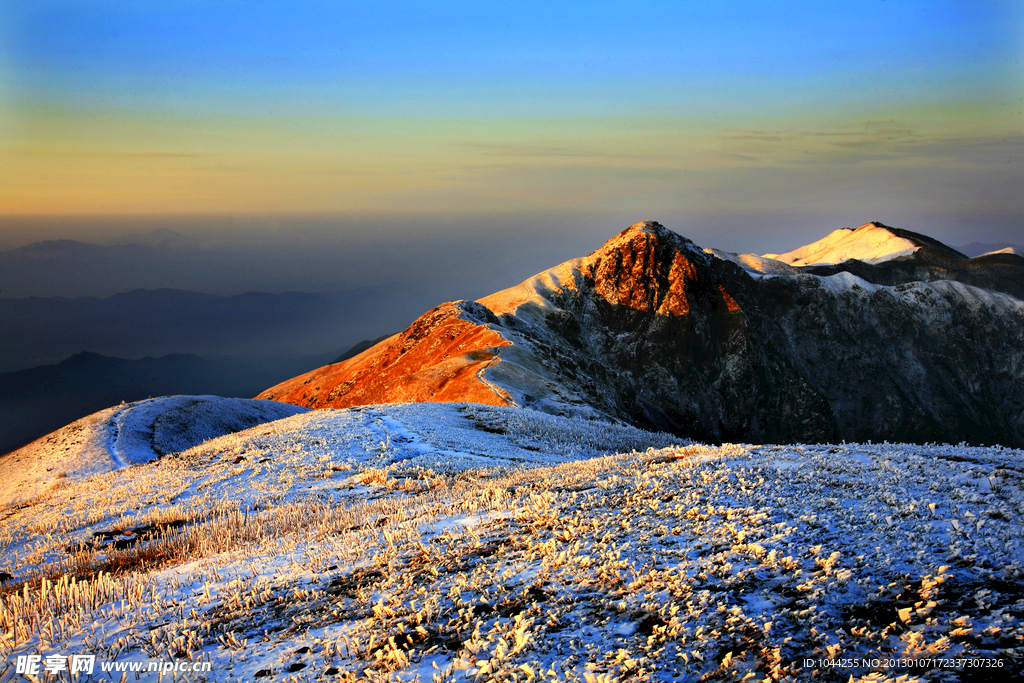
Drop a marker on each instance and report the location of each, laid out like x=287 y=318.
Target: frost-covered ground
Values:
x=454 y=541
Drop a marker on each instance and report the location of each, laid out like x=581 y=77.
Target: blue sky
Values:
x=569 y=59
x=807 y=115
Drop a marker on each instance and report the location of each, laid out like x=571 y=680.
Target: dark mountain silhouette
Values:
x=359 y=348
x=161 y=238
x=155 y=322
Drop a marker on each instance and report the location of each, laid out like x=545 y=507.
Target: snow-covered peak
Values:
x=1008 y=250
x=871 y=242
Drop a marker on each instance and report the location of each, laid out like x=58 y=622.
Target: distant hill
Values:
x=359 y=348
x=978 y=248
x=872 y=242
x=161 y=238
x=888 y=256
x=66 y=267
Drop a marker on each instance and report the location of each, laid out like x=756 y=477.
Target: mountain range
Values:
x=545 y=536
x=157 y=322
x=916 y=343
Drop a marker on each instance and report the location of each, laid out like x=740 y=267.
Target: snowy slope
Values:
x=125 y=435
x=1016 y=251
x=321 y=545
x=870 y=242
x=979 y=248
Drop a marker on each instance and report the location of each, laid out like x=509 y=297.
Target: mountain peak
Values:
x=652 y=231
x=650 y=227
x=649 y=330
x=646 y=267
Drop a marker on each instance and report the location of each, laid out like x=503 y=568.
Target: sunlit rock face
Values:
x=440 y=357
x=649 y=329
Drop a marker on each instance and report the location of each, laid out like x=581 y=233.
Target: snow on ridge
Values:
x=846 y=283
x=754 y=264
x=1007 y=250
x=126 y=435
x=535 y=290
x=303 y=456
x=892 y=256
x=870 y=242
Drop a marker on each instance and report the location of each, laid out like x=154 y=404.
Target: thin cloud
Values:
x=89 y=154
x=866 y=142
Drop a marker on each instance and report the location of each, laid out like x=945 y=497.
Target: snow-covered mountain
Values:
x=652 y=330
x=980 y=248
x=872 y=242
x=883 y=255
x=1015 y=251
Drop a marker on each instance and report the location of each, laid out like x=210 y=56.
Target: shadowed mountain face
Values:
x=651 y=330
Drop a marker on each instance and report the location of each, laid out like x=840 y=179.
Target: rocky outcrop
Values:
x=651 y=330
x=646 y=330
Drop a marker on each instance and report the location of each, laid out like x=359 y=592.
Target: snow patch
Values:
x=869 y=242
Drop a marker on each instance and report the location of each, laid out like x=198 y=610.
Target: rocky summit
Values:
x=652 y=330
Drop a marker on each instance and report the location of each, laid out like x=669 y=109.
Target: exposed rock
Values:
x=645 y=330
x=918 y=362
